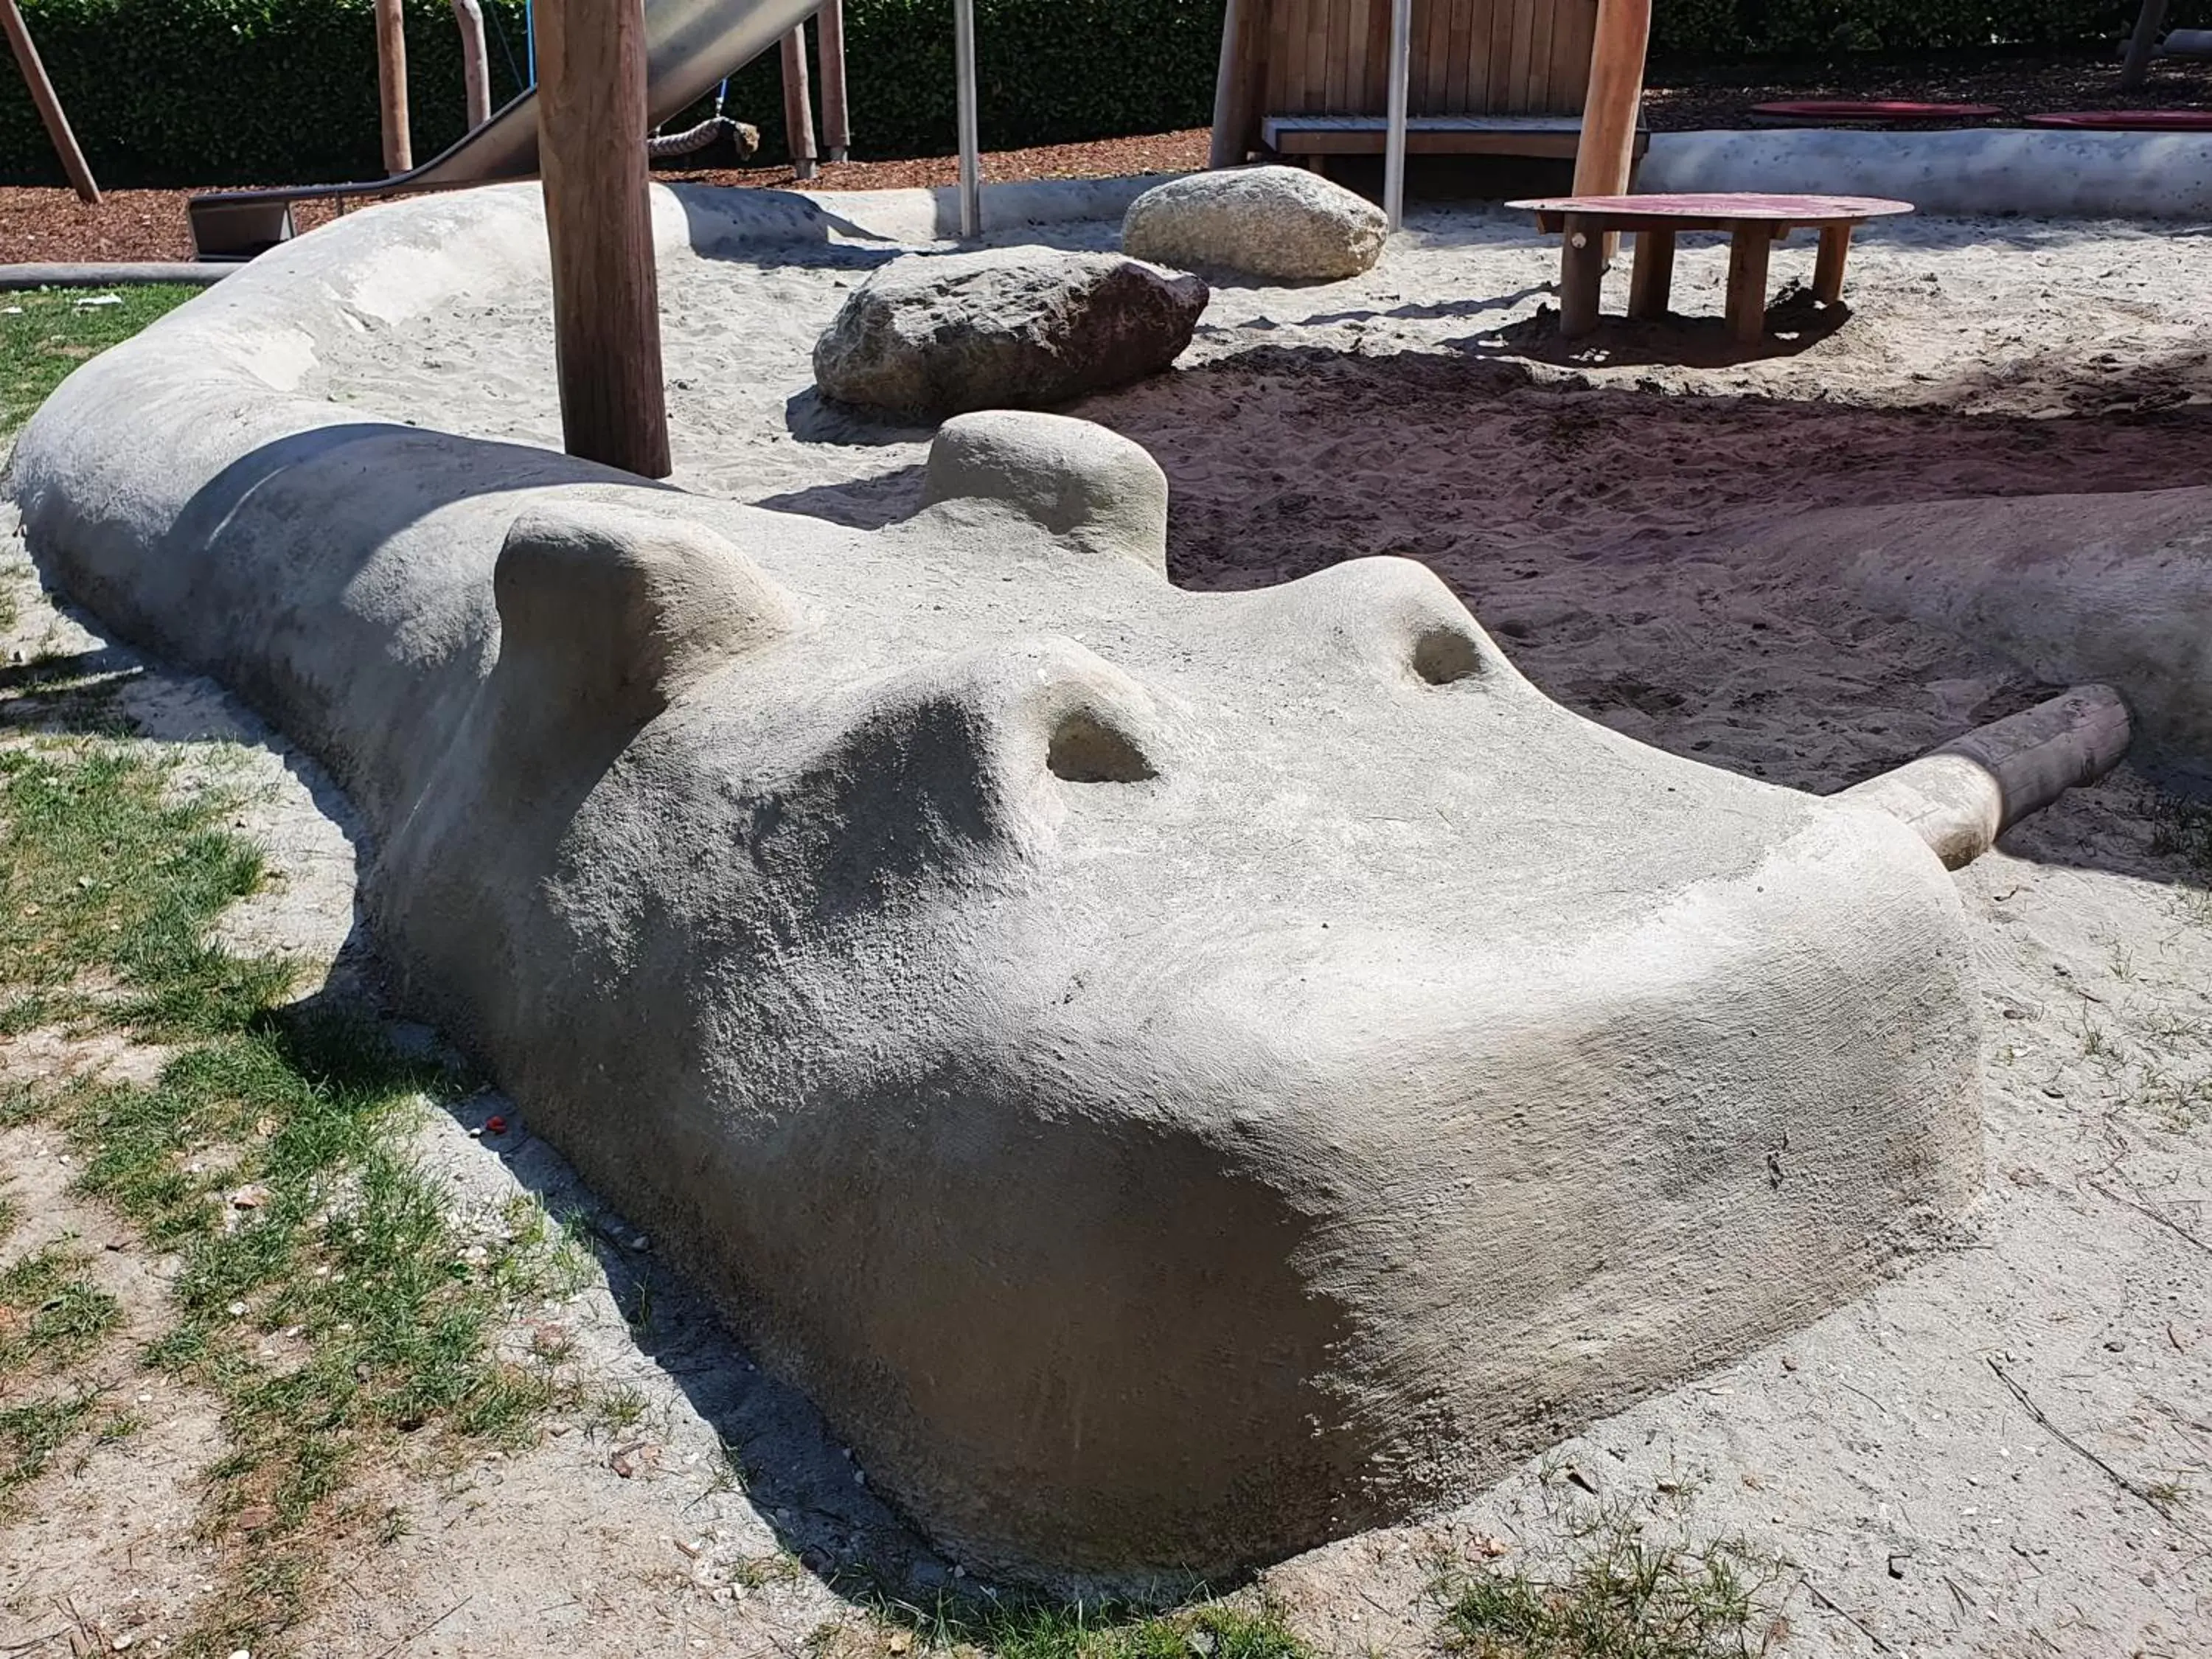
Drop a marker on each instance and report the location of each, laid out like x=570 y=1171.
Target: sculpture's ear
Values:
x=612 y=610
x=1089 y=487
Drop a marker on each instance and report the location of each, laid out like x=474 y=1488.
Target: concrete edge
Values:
x=13 y=279
x=1972 y=172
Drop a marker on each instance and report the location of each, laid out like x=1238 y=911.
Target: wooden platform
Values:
x=1753 y=223
x=1548 y=136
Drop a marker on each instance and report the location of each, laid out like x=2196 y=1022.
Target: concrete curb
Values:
x=15 y=278
x=2032 y=172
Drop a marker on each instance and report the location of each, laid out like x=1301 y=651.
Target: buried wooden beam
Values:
x=598 y=219
x=50 y=104
x=391 y=86
x=1964 y=794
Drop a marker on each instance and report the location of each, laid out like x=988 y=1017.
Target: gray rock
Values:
x=1007 y=328
x=1264 y=221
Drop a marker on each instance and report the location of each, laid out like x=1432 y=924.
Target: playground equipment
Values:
x=1316 y=78
x=2145 y=44
x=688 y=45
x=1754 y=224
x=50 y=105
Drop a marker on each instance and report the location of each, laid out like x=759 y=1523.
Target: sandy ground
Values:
x=2008 y=1451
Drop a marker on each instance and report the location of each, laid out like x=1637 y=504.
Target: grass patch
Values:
x=1019 y=1628
x=59 y=328
x=51 y=1314
x=323 y=1295
x=1624 y=1581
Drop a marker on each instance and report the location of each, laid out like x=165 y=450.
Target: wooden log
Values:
x=42 y=92
x=1653 y=280
x=2136 y=68
x=836 y=122
x=1750 y=241
x=1962 y=796
x=1607 y=151
x=798 y=105
x=475 y=73
x=391 y=86
x=1582 y=268
x=1232 y=97
x=1605 y=159
x=1828 y=269
x=598 y=219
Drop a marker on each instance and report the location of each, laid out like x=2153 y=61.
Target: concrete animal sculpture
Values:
x=1177 y=1076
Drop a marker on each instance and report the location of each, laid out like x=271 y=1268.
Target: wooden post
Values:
x=1607 y=148
x=1581 y=269
x=1604 y=156
x=2135 y=69
x=476 y=78
x=1653 y=278
x=49 y=106
x=1225 y=148
x=798 y=105
x=391 y=86
x=1750 y=241
x=1828 y=269
x=837 y=123
x=598 y=219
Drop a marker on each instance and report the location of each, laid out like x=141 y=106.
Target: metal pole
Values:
x=971 y=161
x=1394 y=140
x=530 y=38
x=2135 y=69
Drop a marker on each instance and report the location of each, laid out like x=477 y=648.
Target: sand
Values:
x=1600 y=511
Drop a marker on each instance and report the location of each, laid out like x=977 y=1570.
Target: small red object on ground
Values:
x=494 y=1126
x=2128 y=120
x=1814 y=110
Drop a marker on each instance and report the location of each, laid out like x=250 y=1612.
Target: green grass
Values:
x=323 y=1296
x=56 y=330
x=1625 y=1580
x=1019 y=1628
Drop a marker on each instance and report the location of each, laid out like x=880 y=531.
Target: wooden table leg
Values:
x=1582 y=267
x=1828 y=272
x=1749 y=242
x=1654 y=276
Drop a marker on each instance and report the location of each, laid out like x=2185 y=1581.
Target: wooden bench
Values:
x=1550 y=137
x=1754 y=224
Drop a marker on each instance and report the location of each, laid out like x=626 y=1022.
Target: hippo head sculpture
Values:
x=1175 y=1076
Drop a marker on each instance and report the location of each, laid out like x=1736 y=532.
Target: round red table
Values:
x=1754 y=224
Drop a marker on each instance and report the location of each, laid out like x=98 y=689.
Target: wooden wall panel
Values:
x=1470 y=57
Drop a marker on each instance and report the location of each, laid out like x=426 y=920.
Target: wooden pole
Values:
x=598 y=219
x=391 y=86
x=476 y=77
x=1225 y=148
x=2136 y=68
x=1606 y=151
x=798 y=105
x=836 y=124
x=50 y=105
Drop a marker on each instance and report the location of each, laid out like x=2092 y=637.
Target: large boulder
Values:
x=931 y=335
x=1264 y=221
x=1177 y=1076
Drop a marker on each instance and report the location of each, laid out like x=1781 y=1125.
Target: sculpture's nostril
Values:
x=1443 y=654
x=1086 y=750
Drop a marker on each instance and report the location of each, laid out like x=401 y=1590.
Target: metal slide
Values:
x=690 y=46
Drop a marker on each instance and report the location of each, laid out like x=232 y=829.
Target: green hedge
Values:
x=283 y=91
